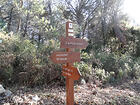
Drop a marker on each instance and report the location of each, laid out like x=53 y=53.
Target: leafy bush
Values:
x=22 y=62
x=110 y=67
x=6 y=69
x=102 y=75
x=109 y=61
x=84 y=68
x=2 y=24
x=6 y=60
x=85 y=57
x=121 y=67
x=34 y=63
x=136 y=69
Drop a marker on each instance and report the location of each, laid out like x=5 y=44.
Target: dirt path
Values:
x=127 y=93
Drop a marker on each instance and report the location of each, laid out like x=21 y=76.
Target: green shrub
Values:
x=21 y=61
x=135 y=73
x=109 y=61
x=85 y=57
x=84 y=68
x=2 y=24
x=6 y=68
x=123 y=67
x=102 y=75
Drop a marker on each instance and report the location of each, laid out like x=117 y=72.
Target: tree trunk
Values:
x=19 y=25
x=19 y=20
x=26 y=25
x=39 y=38
x=10 y=20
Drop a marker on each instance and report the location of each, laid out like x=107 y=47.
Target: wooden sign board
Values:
x=65 y=57
x=71 y=72
x=69 y=29
x=70 y=25
x=70 y=42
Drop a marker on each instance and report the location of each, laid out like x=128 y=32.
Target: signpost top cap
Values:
x=69 y=21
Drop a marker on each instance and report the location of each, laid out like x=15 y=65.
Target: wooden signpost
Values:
x=69 y=57
x=65 y=57
x=70 y=42
x=70 y=72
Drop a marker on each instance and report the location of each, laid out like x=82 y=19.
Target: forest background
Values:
x=30 y=32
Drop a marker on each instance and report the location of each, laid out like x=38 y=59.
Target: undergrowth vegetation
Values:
x=23 y=62
x=30 y=31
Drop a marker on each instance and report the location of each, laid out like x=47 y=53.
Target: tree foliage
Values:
x=30 y=31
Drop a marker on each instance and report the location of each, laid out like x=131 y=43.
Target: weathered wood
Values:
x=70 y=42
x=65 y=57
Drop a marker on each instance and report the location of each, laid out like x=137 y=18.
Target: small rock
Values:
x=2 y=90
x=6 y=104
x=98 y=83
x=83 y=82
x=17 y=99
x=35 y=98
x=8 y=93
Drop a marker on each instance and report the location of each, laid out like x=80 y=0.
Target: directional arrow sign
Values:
x=71 y=72
x=65 y=57
x=70 y=42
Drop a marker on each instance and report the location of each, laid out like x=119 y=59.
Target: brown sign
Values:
x=71 y=72
x=65 y=57
x=70 y=42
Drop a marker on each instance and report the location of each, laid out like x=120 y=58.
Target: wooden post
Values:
x=71 y=73
x=69 y=81
x=69 y=91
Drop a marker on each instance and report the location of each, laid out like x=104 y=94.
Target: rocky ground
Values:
x=127 y=93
